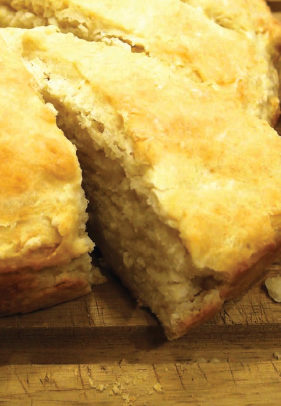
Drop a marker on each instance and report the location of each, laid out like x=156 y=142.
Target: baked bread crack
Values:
x=230 y=45
x=185 y=198
x=168 y=104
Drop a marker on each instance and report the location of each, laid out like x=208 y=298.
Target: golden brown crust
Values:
x=228 y=165
x=25 y=290
x=243 y=279
x=185 y=325
x=235 y=287
x=41 y=201
x=213 y=175
x=223 y=43
x=209 y=169
x=42 y=206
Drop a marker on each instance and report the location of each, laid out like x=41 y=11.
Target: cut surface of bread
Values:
x=43 y=244
x=229 y=45
x=184 y=185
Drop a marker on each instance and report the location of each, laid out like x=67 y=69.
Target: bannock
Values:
x=184 y=184
x=43 y=244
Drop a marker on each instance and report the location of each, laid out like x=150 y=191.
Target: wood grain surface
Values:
x=103 y=350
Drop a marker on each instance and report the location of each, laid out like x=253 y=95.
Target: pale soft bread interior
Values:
x=177 y=229
x=147 y=254
x=229 y=45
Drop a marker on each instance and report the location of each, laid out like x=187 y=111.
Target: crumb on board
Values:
x=101 y=388
x=277 y=355
x=98 y=277
x=122 y=388
x=158 y=387
x=214 y=361
x=202 y=360
x=91 y=382
x=116 y=389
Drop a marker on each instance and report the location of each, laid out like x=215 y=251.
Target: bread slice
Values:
x=43 y=244
x=227 y=44
x=184 y=185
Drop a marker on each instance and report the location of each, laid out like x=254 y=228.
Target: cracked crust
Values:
x=228 y=45
x=187 y=206
x=42 y=205
x=194 y=217
x=235 y=287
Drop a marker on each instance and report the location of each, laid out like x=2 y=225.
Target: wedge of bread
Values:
x=184 y=184
x=227 y=44
x=43 y=244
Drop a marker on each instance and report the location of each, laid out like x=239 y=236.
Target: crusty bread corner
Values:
x=186 y=196
x=233 y=288
x=43 y=243
x=25 y=290
x=228 y=44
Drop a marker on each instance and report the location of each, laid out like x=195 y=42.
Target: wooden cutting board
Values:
x=103 y=350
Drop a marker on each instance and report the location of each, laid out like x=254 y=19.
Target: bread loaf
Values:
x=184 y=184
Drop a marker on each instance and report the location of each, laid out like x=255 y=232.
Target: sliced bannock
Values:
x=43 y=243
x=184 y=185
